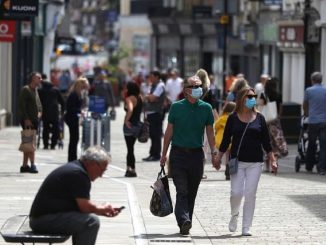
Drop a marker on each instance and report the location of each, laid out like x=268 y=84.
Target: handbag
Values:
x=113 y=114
x=143 y=135
x=278 y=141
x=28 y=140
x=234 y=163
x=161 y=202
x=269 y=111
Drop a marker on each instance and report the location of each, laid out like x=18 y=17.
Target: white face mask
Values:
x=196 y=93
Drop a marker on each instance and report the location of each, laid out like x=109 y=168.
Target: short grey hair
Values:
x=316 y=77
x=97 y=154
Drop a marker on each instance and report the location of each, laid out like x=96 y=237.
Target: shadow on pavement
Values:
x=314 y=203
x=302 y=176
x=157 y=235
x=11 y=174
x=227 y=236
x=179 y=238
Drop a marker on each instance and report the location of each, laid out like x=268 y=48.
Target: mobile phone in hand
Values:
x=119 y=209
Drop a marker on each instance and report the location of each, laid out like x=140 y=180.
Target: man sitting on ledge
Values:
x=62 y=204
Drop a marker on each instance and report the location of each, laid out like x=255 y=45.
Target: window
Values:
x=93 y=19
x=191 y=63
x=94 y=4
x=85 y=20
x=85 y=4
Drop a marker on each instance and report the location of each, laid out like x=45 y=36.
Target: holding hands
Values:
x=216 y=160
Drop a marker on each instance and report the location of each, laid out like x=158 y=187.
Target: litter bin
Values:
x=290 y=121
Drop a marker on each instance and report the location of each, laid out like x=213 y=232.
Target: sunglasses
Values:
x=194 y=86
x=250 y=96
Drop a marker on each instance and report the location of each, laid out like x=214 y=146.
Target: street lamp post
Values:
x=311 y=39
x=224 y=20
x=306 y=44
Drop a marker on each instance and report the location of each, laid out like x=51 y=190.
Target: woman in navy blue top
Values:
x=254 y=140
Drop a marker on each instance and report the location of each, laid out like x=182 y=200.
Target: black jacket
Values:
x=51 y=99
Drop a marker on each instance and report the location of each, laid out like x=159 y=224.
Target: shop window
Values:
x=169 y=60
x=85 y=4
x=191 y=62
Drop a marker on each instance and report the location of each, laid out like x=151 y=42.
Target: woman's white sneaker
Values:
x=233 y=223
x=246 y=231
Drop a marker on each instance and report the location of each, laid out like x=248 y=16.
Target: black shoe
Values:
x=151 y=159
x=33 y=169
x=130 y=174
x=227 y=177
x=146 y=158
x=45 y=147
x=184 y=229
x=25 y=169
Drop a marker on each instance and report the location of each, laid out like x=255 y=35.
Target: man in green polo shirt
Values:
x=187 y=121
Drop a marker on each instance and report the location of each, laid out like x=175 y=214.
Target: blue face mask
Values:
x=196 y=93
x=250 y=103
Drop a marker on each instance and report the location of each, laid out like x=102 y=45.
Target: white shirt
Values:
x=259 y=89
x=173 y=88
x=157 y=92
x=145 y=88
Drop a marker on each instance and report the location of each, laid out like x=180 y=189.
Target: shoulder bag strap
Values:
x=242 y=138
x=144 y=114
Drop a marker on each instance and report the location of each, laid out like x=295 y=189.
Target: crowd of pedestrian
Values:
x=195 y=133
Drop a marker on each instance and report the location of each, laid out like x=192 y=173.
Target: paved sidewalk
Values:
x=290 y=207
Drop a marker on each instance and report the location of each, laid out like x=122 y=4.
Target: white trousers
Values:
x=245 y=183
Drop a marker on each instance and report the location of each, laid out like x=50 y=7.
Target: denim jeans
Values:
x=83 y=227
x=187 y=171
x=315 y=131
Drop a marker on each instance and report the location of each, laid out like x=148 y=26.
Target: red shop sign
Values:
x=7 y=30
x=291 y=34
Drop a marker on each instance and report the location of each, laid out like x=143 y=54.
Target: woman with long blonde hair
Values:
x=74 y=107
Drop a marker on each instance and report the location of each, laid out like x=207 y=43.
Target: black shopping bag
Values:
x=161 y=203
x=143 y=135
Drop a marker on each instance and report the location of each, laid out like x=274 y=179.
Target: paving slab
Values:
x=290 y=207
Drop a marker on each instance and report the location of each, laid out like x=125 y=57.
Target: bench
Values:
x=17 y=230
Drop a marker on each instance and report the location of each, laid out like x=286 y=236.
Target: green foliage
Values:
x=113 y=66
x=121 y=53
